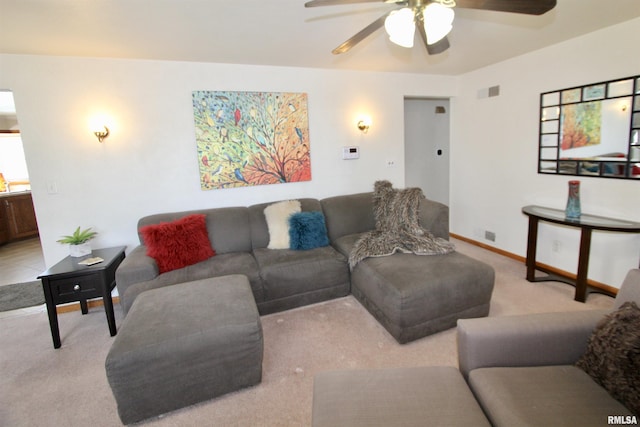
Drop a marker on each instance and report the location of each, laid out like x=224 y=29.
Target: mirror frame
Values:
x=577 y=102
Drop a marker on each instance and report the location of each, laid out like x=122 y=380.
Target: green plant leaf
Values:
x=78 y=237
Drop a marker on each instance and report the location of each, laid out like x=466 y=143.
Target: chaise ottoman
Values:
x=185 y=344
x=414 y=296
x=398 y=397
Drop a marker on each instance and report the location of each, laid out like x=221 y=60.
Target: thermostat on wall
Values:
x=350 y=153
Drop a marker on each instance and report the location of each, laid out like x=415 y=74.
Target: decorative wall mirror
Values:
x=591 y=130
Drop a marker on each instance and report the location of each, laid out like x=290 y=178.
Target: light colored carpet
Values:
x=40 y=386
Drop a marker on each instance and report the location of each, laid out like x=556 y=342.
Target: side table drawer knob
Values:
x=76 y=287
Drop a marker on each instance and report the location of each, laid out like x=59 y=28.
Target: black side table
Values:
x=68 y=281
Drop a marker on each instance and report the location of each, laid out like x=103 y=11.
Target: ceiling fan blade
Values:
x=438 y=47
x=433 y=49
x=363 y=34
x=529 y=7
x=317 y=3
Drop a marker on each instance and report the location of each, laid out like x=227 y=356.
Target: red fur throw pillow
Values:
x=178 y=243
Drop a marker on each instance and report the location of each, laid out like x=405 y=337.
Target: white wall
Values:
x=494 y=154
x=148 y=164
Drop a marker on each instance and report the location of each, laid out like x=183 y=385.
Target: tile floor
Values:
x=21 y=261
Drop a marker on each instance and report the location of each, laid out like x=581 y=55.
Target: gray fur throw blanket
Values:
x=397 y=227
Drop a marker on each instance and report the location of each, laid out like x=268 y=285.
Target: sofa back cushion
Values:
x=353 y=213
x=348 y=214
x=434 y=216
x=228 y=228
x=259 y=227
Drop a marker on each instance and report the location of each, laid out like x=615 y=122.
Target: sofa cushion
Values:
x=392 y=397
x=219 y=265
x=410 y=288
x=228 y=228
x=542 y=396
x=414 y=296
x=349 y=214
x=286 y=272
x=178 y=243
x=345 y=244
x=612 y=357
x=307 y=230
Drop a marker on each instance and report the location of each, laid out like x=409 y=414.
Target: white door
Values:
x=426 y=146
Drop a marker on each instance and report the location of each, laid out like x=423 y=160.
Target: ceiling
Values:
x=284 y=32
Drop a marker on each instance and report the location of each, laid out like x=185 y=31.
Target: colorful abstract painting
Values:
x=251 y=138
x=581 y=124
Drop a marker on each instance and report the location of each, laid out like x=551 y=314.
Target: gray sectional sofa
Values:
x=411 y=296
x=524 y=370
x=527 y=370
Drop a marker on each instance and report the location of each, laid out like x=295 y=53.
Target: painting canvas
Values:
x=581 y=124
x=251 y=138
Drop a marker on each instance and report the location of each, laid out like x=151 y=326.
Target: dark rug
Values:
x=20 y=295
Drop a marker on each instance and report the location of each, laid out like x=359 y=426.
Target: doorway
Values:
x=426 y=146
x=21 y=258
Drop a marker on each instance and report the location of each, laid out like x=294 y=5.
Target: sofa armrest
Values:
x=525 y=340
x=630 y=289
x=136 y=267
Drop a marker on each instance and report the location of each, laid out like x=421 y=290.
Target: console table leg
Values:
x=583 y=265
x=532 y=243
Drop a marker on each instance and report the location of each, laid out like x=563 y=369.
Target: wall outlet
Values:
x=52 y=187
x=391 y=163
x=490 y=235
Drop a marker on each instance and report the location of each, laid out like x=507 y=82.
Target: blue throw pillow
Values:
x=307 y=230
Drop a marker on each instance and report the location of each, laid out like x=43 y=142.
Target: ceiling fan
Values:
x=432 y=18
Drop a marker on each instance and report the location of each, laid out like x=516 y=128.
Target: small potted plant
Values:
x=79 y=242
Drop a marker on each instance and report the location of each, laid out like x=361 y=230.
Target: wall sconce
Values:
x=364 y=124
x=101 y=134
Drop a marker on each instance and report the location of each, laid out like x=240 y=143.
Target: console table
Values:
x=587 y=223
x=68 y=281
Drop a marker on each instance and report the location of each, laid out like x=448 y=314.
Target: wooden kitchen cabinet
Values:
x=18 y=217
x=4 y=224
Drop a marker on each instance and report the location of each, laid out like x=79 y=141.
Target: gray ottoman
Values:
x=415 y=296
x=402 y=397
x=184 y=344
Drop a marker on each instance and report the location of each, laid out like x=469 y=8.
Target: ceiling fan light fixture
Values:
x=438 y=20
x=400 y=27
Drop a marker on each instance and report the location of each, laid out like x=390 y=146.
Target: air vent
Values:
x=489 y=92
